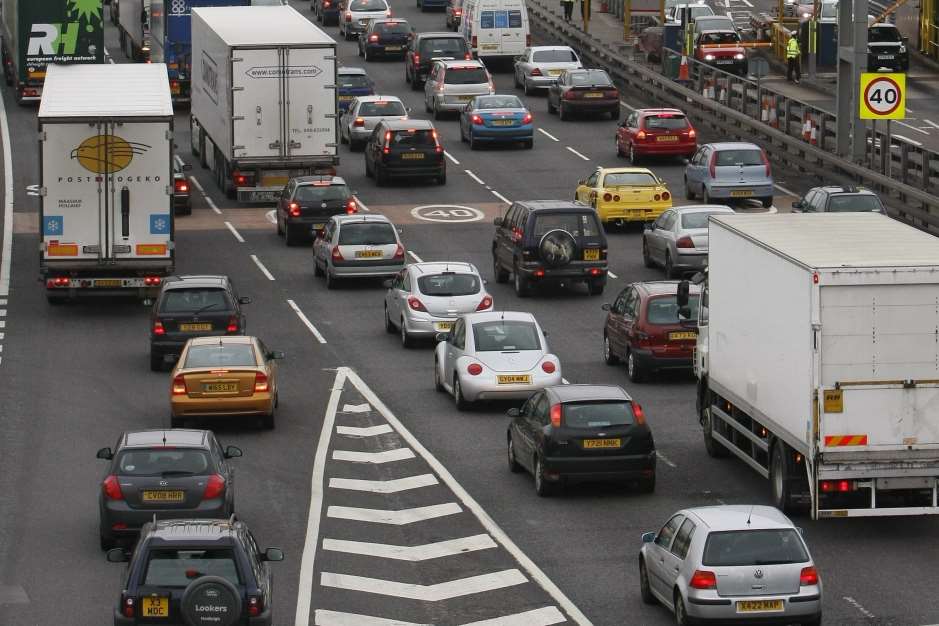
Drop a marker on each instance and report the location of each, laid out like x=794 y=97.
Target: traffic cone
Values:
x=813 y=136
x=773 y=118
x=807 y=128
x=683 y=69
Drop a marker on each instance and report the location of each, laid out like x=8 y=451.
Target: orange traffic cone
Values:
x=773 y=119
x=807 y=128
x=683 y=69
x=813 y=136
x=764 y=111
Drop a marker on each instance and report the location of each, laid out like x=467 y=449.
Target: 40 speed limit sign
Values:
x=883 y=96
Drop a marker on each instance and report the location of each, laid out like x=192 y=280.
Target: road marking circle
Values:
x=447 y=213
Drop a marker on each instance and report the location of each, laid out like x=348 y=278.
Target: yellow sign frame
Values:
x=898 y=110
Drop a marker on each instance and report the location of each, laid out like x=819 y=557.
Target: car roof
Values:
x=664 y=287
x=733 y=145
x=576 y=393
x=203 y=530
x=538 y=48
x=624 y=170
x=656 y=111
x=385 y=20
x=700 y=208
x=179 y=282
x=309 y=180
x=377 y=98
x=426 y=267
x=708 y=31
x=351 y=70
x=844 y=189
x=359 y=218
x=416 y=124
x=554 y=205
x=218 y=340
x=735 y=516
x=178 y=437
x=508 y=316
x=439 y=35
x=460 y=63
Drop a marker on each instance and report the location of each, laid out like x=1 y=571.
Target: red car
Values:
x=656 y=132
x=642 y=328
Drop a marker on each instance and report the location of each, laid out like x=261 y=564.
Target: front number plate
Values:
x=220 y=387
x=195 y=327
x=601 y=443
x=744 y=193
x=514 y=379
x=759 y=606
x=592 y=254
x=163 y=496
x=155 y=607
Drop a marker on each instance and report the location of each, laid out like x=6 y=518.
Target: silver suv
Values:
x=452 y=84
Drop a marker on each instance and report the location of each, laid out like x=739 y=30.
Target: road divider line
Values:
x=911 y=127
x=6 y=248
x=545 y=616
x=631 y=107
x=450 y=156
x=906 y=139
x=362 y=204
x=415 y=257
x=195 y=183
x=356 y=408
x=261 y=267
x=211 y=203
x=500 y=196
x=577 y=153
x=931 y=123
x=235 y=232
x=665 y=459
x=548 y=135
x=375 y=458
x=451 y=547
x=565 y=381
x=426 y=593
x=337 y=618
x=474 y=177
x=395 y=518
x=785 y=191
x=179 y=161
x=369 y=431
x=306 y=321
x=396 y=485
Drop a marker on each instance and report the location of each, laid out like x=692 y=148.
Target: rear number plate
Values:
x=345 y=98
x=392 y=48
x=503 y=122
x=554 y=72
x=592 y=254
x=741 y=194
x=413 y=156
x=513 y=379
x=601 y=443
x=368 y=254
x=667 y=138
x=490 y=46
x=682 y=335
x=163 y=496
x=884 y=57
x=195 y=327
x=155 y=607
x=443 y=327
x=220 y=387
x=108 y=282
x=759 y=606
x=593 y=94
x=318 y=226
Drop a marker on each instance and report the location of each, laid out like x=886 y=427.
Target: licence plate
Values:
x=682 y=335
x=724 y=61
x=601 y=443
x=667 y=138
x=363 y=22
x=884 y=57
x=163 y=496
x=108 y=282
x=263 y=196
x=345 y=98
x=413 y=155
x=465 y=98
x=758 y=606
x=503 y=122
x=443 y=327
x=746 y=193
x=274 y=181
x=392 y=48
x=592 y=254
x=220 y=387
x=593 y=94
x=192 y=327
x=554 y=72
x=513 y=379
x=155 y=607
x=368 y=254
x=490 y=46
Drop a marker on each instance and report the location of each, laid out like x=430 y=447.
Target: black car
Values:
x=192 y=306
x=571 y=433
x=583 y=91
x=163 y=473
x=326 y=11
x=307 y=203
x=839 y=199
x=386 y=37
x=887 y=47
x=188 y=571
x=454 y=14
x=182 y=194
x=541 y=241
x=425 y=48
x=405 y=149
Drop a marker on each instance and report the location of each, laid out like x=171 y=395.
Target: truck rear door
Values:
x=879 y=367
x=310 y=123
x=257 y=95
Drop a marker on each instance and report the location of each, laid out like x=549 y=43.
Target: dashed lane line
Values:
x=211 y=203
x=426 y=593
x=235 y=232
x=398 y=517
x=665 y=459
x=179 y=161
x=577 y=153
x=271 y=216
x=6 y=248
x=612 y=275
x=396 y=485
x=500 y=196
x=306 y=321
x=631 y=107
x=362 y=205
x=355 y=408
x=906 y=139
x=911 y=127
x=376 y=458
x=195 y=183
x=450 y=156
x=786 y=191
x=261 y=267
x=415 y=257
x=931 y=123
x=474 y=177
x=548 y=135
x=450 y=547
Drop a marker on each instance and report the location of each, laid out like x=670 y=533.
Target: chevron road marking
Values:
x=370 y=431
x=383 y=486
x=386 y=456
x=356 y=408
x=427 y=593
x=336 y=618
x=397 y=518
x=412 y=553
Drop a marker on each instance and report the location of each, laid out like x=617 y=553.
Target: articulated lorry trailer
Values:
x=818 y=359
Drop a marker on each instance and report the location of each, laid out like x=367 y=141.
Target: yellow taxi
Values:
x=224 y=376
x=624 y=194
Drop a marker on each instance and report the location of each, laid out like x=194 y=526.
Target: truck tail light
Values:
x=474 y=369
x=152 y=281
x=158 y=328
x=837 y=486
x=808 y=576
x=179 y=385
x=703 y=579
x=639 y=416
x=58 y=281
x=294 y=209
x=239 y=179
x=416 y=305
x=556 y=415
x=112 y=488
x=684 y=242
x=214 y=487
x=484 y=304
x=260 y=382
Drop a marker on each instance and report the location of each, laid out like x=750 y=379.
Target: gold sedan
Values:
x=624 y=194
x=230 y=375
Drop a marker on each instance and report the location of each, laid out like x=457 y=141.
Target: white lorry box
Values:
x=105 y=178
x=133 y=25
x=263 y=98
x=818 y=359
x=495 y=28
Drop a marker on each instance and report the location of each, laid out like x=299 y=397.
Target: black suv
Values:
x=192 y=306
x=425 y=48
x=550 y=241
x=404 y=149
x=307 y=203
x=839 y=199
x=196 y=572
x=886 y=47
x=385 y=37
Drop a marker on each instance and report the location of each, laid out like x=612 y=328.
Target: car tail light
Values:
x=112 y=488
x=837 y=486
x=260 y=382
x=570 y=94
x=457 y=12
x=327 y=4
x=388 y=13
x=477 y=120
x=399 y=252
x=437 y=146
x=152 y=281
x=527 y=119
x=336 y=254
x=556 y=415
x=373 y=38
x=607 y=197
x=712 y=165
x=536 y=72
x=387 y=147
x=639 y=415
x=158 y=328
x=808 y=576
x=255 y=606
x=611 y=93
x=359 y=122
x=765 y=162
x=127 y=607
x=416 y=304
x=180 y=185
x=239 y=179
x=684 y=242
x=548 y=367
x=484 y=304
x=692 y=134
x=294 y=209
x=417 y=59
x=467 y=56
x=528 y=40
x=666 y=195
x=595 y=271
x=474 y=369
x=348 y=16
x=473 y=42
x=703 y=579
x=232 y=325
x=351 y=206
x=214 y=487
x=179 y=385
x=538 y=273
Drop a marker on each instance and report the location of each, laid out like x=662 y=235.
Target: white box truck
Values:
x=105 y=180
x=263 y=98
x=133 y=25
x=818 y=359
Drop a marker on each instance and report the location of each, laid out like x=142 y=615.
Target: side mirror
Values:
x=544 y=332
x=513 y=412
x=801 y=530
x=276 y=355
x=117 y=555
x=648 y=537
x=605 y=306
x=441 y=337
x=105 y=453
x=407 y=109
x=684 y=289
x=232 y=452
x=273 y=554
x=387 y=283
x=497 y=221
x=244 y=300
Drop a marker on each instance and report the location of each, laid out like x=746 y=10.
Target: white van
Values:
x=495 y=28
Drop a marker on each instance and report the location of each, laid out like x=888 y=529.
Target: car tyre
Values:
x=438 y=115
x=633 y=369
x=291 y=236
x=646 y=257
x=438 y=386
x=780 y=487
x=514 y=467
x=472 y=142
x=156 y=362
x=815 y=621
x=647 y=485
x=705 y=196
x=633 y=157
x=645 y=591
x=458 y=399
x=669 y=267
x=529 y=144
x=342 y=138
x=542 y=487
x=331 y=282
x=389 y=326
x=501 y=275
x=522 y=287
x=681 y=615
x=106 y=542
x=767 y=202
x=551 y=107
x=595 y=287
x=562 y=112
x=609 y=357
x=406 y=341
x=442 y=179
x=527 y=88
x=267 y=421
x=688 y=193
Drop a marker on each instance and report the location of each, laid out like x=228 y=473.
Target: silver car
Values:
x=364 y=113
x=673 y=13
x=495 y=355
x=678 y=240
x=357 y=246
x=426 y=298
x=540 y=66
x=729 y=171
x=451 y=84
x=731 y=563
x=355 y=15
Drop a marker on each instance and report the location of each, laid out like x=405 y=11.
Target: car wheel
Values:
x=633 y=369
x=380 y=179
x=681 y=616
x=562 y=112
x=342 y=137
x=669 y=268
x=389 y=327
x=360 y=52
x=646 y=257
x=462 y=134
x=317 y=270
x=514 y=467
x=438 y=385
x=156 y=362
x=527 y=88
x=438 y=115
x=406 y=341
x=291 y=236
x=767 y=202
x=472 y=142
x=521 y=284
x=529 y=144
x=415 y=84
x=647 y=485
x=407 y=75
x=688 y=193
x=368 y=170
x=778 y=478
x=815 y=621
x=633 y=157
x=644 y=590
x=595 y=287
x=714 y=449
x=458 y=399
x=501 y=275
x=267 y=421
x=551 y=108
x=542 y=487
x=331 y=282
x=609 y=357
x=427 y=105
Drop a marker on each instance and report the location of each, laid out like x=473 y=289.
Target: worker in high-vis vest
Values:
x=793 y=54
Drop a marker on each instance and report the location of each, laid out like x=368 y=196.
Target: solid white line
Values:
x=336 y=618
x=395 y=518
x=376 y=458
x=383 y=486
x=261 y=267
x=3 y=324
x=665 y=459
x=356 y=408
x=612 y=275
x=919 y=130
x=370 y=431
x=538 y=617
x=2 y=335
x=565 y=381
x=932 y=123
x=211 y=203
x=449 y=156
x=195 y=183
x=474 y=177
x=3 y=301
x=500 y=196
x=362 y=204
x=907 y=139
x=786 y=191
x=450 y=547
x=628 y=106
x=548 y=135
x=577 y=153
x=426 y=593
x=415 y=257
x=235 y=232
x=306 y=321
x=6 y=250
x=178 y=160
x=3 y=312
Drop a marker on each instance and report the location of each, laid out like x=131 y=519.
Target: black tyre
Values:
x=767 y=202
x=458 y=399
x=780 y=485
x=705 y=196
x=156 y=362
x=389 y=327
x=562 y=112
x=529 y=144
x=647 y=485
x=267 y=421
x=634 y=368
x=514 y=467
x=669 y=267
x=213 y=591
x=646 y=257
x=688 y=193
x=595 y=287
x=438 y=385
x=291 y=235
x=633 y=157
x=557 y=248
x=609 y=357
x=521 y=284
x=317 y=270
x=645 y=591
x=442 y=179
x=406 y=341
x=542 y=487
x=331 y=282
x=681 y=615
x=551 y=108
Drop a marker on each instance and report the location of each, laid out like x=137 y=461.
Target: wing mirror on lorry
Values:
x=683 y=297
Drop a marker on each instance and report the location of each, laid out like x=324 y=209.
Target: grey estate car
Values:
x=678 y=239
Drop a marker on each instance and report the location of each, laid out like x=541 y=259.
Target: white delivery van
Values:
x=495 y=28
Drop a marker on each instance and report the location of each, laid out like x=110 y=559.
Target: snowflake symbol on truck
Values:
x=53 y=226
x=88 y=9
x=159 y=224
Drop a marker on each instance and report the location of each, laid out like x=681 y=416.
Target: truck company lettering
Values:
x=111 y=179
x=277 y=71
x=210 y=77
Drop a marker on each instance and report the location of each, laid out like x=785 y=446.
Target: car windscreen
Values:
x=368 y=5
x=381 y=107
x=195 y=299
x=157 y=461
x=883 y=35
x=620 y=179
x=393 y=28
x=597 y=78
x=739 y=157
x=665 y=121
x=577 y=224
x=718 y=38
x=353 y=81
x=364 y=234
x=178 y=567
x=416 y=138
x=221 y=355
x=753 y=547
x=597 y=414
x=465 y=76
x=499 y=335
x=554 y=56
x=320 y=193
x=664 y=309
x=698 y=219
x=443 y=47
x=854 y=202
x=448 y=284
x=499 y=102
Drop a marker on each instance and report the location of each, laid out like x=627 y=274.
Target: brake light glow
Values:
x=260 y=382
x=692 y=134
x=214 y=487
x=58 y=281
x=808 y=576
x=373 y=38
x=536 y=72
x=359 y=122
x=232 y=325
x=484 y=304
x=684 y=242
x=388 y=13
x=417 y=59
x=294 y=209
x=151 y=281
x=112 y=488
x=180 y=185
x=387 y=148
x=327 y=4
x=538 y=273
x=556 y=415
x=639 y=415
x=837 y=486
x=255 y=606
x=474 y=369
x=240 y=179
x=703 y=579
x=399 y=252
x=416 y=304
x=527 y=119
x=351 y=206
x=336 y=254
x=477 y=120
x=158 y=328
x=457 y=12
x=348 y=16
x=179 y=385
x=548 y=367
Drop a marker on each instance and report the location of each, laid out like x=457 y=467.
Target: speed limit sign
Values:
x=883 y=96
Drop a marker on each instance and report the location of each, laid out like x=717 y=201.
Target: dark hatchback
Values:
x=352 y=82
x=426 y=48
x=192 y=306
x=583 y=91
x=186 y=572
x=163 y=473
x=576 y=433
x=405 y=149
x=385 y=38
x=326 y=11
x=307 y=203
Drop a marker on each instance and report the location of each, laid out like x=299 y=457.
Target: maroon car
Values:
x=642 y=328
x=656 y=132
x=583 y=91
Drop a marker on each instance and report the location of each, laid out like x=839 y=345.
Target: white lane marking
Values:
x=271 y=216
x=337 y=618
x=450 y=547
x=426 y=593
x=415 y=257
x=261 y=267
x=786 y=191
x=931 y=123
x=235 y=232
x=628 y=106
x=497 y=533
x=395 y=518
x=376 y=458
x=3 y=324
x=906 y=139
x=612 y=275
x=179 y=161
x=6 y=250
x=449 y=156
x=3 y=301
x=748 y=3
x=363 y=205
x=356 y=408
x=2 y=335
x=383 y=486
x=538 y=617
x=3 y=312
x=306 y=321
x=577 y=153
x=474 y=177
x=665 y=459
x=858 y=606
x=912 y=127
x=565 y=381
x=500 y=196
x=195 y=183
x=370 y=431
x=211 y=203
x=548 y=135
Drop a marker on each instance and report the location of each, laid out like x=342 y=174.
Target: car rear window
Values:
x=448 y=284
x=666 y=121
x=393 y=28
x=320 y=193
x=554 y=56
x=754 y=547
x=499 y=335
x=698 y=219
x=851 y=202
x=195 y=299
x=363 y=234
x=739 y=157
x=465 y=76
x=353 y=81
x=443 y=47
x=177 y=567
x=221 y=355
x=381 y=107
x=499 y=102
x=597 y=78
x=414 y=138
x=597 y=414
x=157 y=461
x=619 y=179
x=368 y=5
x=577 y=224
x=664 y=309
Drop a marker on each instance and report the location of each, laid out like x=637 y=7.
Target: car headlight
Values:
x=708 y=57
x=902 y=49
x=740 y=56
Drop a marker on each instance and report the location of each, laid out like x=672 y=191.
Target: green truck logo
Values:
x=52 y=41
